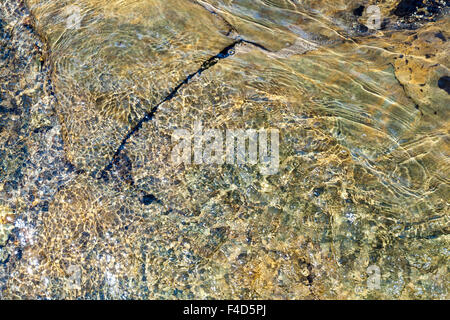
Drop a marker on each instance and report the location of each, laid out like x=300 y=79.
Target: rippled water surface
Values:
x=93 y=207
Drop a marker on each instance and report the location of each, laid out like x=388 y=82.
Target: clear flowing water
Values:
x=359 y=206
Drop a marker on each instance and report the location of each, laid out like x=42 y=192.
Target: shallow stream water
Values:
x=92 y=206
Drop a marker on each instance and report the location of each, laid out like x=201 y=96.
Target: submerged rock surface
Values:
x=100 y=209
